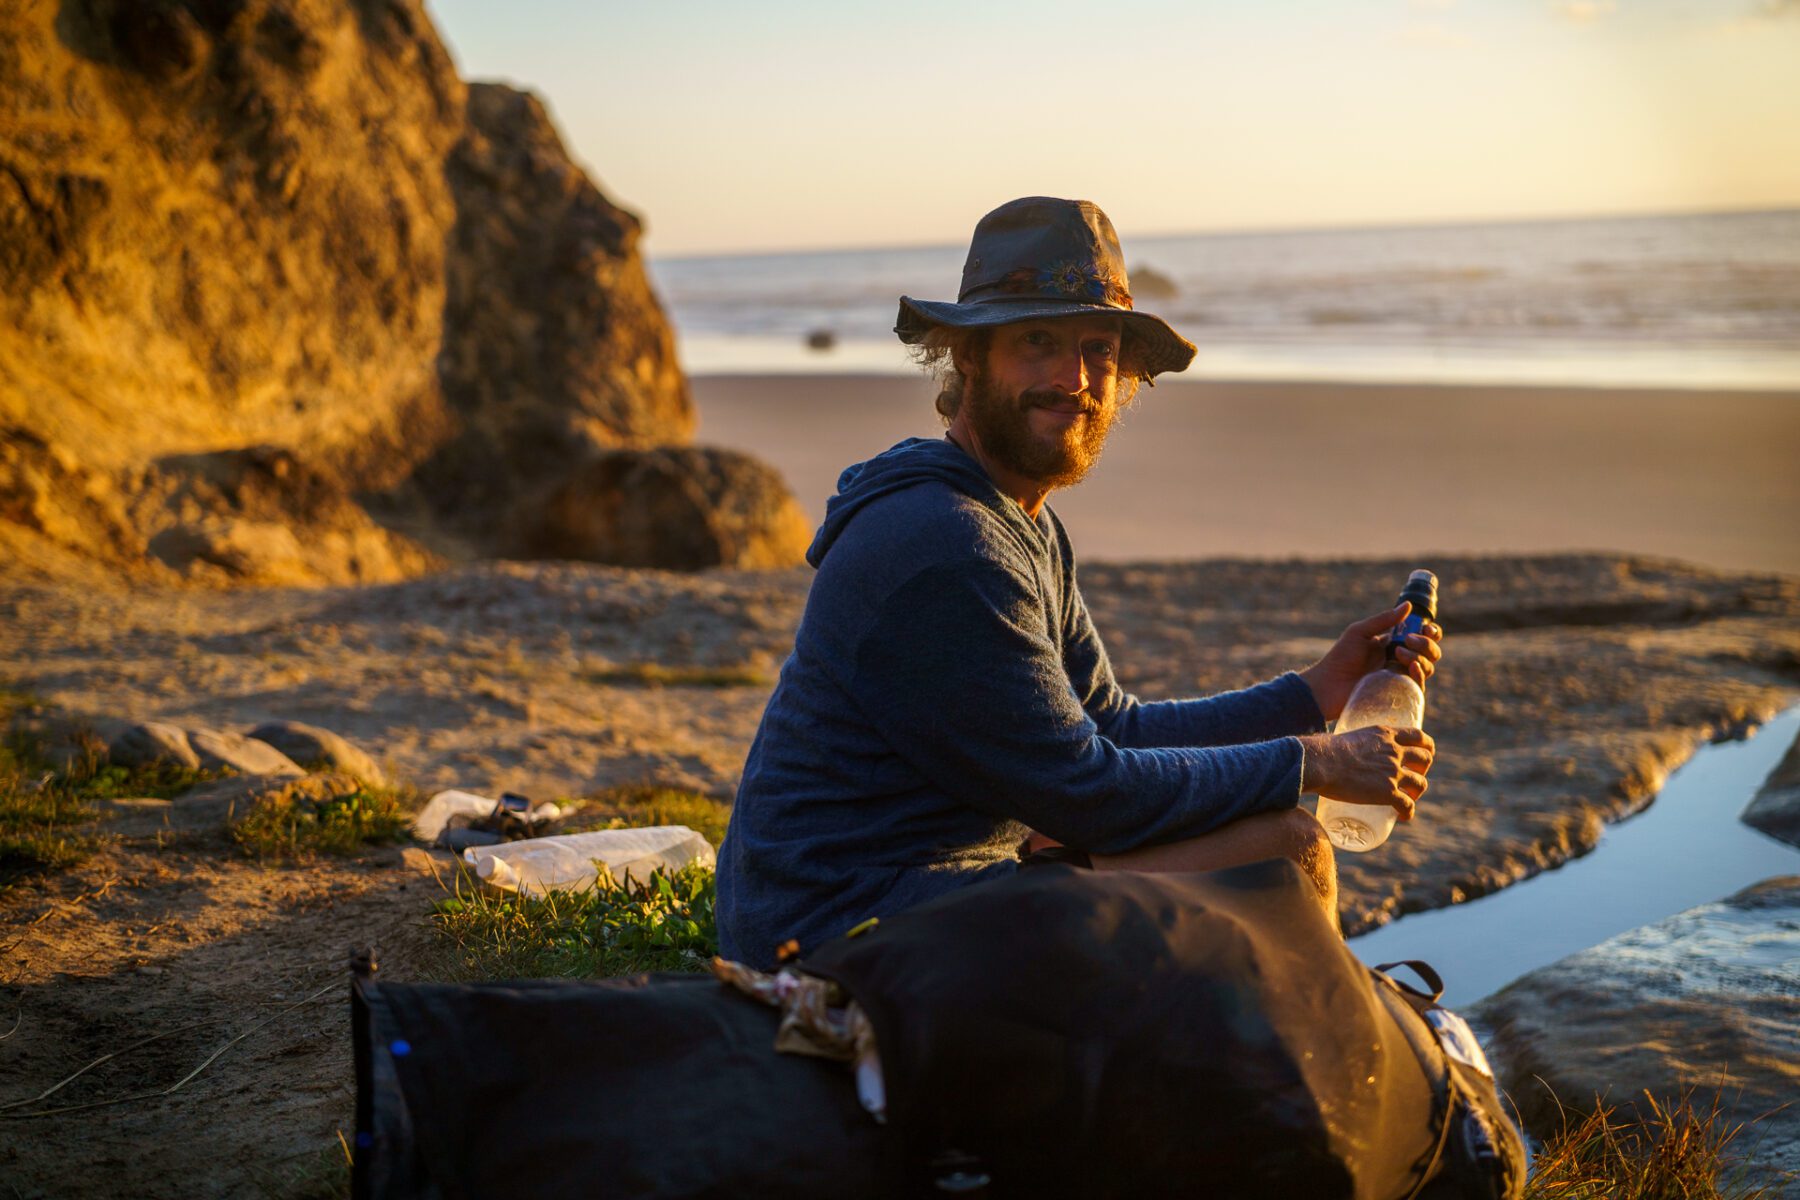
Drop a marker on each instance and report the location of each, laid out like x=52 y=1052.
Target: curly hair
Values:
x=939 y=349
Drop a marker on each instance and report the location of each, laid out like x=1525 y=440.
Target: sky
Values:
x=814 y=124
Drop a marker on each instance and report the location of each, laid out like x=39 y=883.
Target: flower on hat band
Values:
x=1071 y=279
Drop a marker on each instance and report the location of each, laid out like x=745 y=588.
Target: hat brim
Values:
x=1163 y=349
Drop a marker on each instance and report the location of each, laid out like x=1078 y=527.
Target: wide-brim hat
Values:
x=1040 y=257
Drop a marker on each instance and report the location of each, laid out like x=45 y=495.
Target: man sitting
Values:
x=948 y=698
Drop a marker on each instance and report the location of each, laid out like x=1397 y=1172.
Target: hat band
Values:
x=1079 y=283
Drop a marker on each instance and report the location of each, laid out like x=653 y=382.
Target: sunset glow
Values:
x=802 y=125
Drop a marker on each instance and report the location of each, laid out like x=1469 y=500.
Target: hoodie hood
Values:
x=912 y=462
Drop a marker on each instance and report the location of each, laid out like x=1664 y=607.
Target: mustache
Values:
x=1050 y=398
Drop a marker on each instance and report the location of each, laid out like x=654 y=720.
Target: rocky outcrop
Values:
x=1775 y=809
x=688 y=508
x=1708 y=999
x=268 y=266
x=554 y=346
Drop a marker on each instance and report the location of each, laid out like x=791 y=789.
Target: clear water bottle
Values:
x=1387 y=696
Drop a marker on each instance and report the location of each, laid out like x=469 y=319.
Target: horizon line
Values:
x=1256 y=230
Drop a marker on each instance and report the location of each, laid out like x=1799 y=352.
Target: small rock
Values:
x=821 y=339
x=152 y=741
x=1775 y=809
x=437 y=863
x=246 y=756
x=309 y=744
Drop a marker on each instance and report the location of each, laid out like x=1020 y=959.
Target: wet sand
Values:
x=1323 y=470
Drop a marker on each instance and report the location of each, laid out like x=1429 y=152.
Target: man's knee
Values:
x=1303 y=840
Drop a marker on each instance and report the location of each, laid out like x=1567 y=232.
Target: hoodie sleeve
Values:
x=958 y=672
x=1280 y=707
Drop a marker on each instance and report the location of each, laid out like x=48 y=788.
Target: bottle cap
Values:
x=1421 y=590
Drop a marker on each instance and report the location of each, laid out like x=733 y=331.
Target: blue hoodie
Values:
x=947 y=690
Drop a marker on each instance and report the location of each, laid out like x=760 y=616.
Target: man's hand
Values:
x=1374 y=765
x=1361 y=649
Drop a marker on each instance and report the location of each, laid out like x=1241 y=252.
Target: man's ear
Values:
x=967 y=351
x=961 y=355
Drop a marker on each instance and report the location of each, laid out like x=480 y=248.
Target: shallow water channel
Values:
x=1687 y=848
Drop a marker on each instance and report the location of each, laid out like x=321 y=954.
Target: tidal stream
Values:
x=1687 y=848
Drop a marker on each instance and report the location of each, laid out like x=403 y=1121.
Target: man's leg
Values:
x=1293 y=834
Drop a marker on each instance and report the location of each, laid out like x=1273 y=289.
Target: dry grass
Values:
x=1672 y=1150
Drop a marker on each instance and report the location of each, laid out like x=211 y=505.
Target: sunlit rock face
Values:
x=1708 y=1000
x=287 y=227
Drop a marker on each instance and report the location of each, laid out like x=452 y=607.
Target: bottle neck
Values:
x=1414 y=623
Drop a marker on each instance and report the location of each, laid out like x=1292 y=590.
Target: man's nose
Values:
x=1071 y=373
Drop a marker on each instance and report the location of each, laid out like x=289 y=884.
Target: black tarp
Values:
x=1064 y=1032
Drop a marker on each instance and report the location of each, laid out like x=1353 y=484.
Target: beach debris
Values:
x=150 y=742
x=312 y=745
x=219 y=750
x=821 y=340
x=573 y=862
x=450 y=814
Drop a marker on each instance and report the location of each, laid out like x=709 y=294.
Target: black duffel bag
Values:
x=1064 y=1032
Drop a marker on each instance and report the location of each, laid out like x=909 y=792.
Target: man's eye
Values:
x=1038 y=337
x=1102 y=349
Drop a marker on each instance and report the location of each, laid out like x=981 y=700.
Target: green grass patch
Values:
x=289 y=824
x=640 y=805
x=1674 y=1150
x=48 y=809
x=664 y=923
x=649 y=674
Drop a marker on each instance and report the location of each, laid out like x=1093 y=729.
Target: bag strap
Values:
x=1424 y=971
x=1423 y=1039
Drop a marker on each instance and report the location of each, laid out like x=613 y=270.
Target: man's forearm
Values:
x=1278 y=708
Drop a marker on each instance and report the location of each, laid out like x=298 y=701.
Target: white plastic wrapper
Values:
x=445 y=807
x=566 y=863
x=459 y=810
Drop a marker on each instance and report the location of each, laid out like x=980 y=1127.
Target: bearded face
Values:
x=1057 y=446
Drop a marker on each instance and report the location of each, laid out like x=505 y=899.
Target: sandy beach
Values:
x=1200 y=470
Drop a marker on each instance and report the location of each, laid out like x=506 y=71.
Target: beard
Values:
x=1056 y=460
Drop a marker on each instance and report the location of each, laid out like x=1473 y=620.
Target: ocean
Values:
x=1709 y=300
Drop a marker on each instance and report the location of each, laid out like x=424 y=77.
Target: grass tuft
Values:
x=1673 y=1150
x=649 y=674
x=47 y=812
x=290 y=825
x=663 y=924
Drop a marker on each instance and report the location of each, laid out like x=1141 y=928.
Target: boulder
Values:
x=152 y=741
x=268 y=267
x=555 y=347
x=1775 y=809
x=686 y=508
x=1708 y=999
x=233 y=751
x=310 y=745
